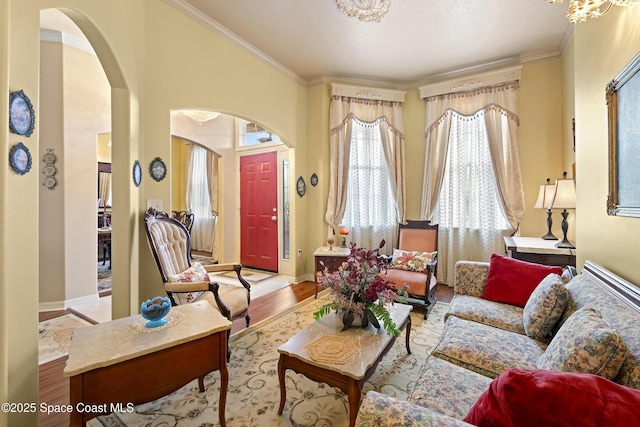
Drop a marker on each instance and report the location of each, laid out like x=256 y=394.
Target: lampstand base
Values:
x=549 y=236
x=565 y=244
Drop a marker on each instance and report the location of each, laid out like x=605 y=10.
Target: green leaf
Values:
x=323 y=311
x=382 y=313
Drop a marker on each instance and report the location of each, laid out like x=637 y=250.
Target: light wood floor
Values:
x=54 y=387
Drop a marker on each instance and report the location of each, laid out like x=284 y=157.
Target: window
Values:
x=370 y=213
x=252 y=134
x=471 y=217
x=199 y=202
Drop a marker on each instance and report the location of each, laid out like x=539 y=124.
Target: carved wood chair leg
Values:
x=248 y=319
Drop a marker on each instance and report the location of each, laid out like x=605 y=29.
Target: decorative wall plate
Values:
x=137 y=173
x=49 y=170
x=301 y=187
x=314 y=180
x=49 y=157
x=158 y=169
x=20 y=158
x=50 y=183
x=22 y=118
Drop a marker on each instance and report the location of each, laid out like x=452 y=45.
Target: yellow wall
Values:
x=178 y=179
x=602 y=49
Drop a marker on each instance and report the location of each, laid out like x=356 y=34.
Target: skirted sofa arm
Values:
x=381 y=410
x=470 y=278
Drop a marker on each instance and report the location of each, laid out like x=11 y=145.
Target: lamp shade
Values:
x=565 y=194
x=545 y=196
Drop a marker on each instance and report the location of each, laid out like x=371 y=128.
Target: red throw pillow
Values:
x=512 y=281
x=548 y=398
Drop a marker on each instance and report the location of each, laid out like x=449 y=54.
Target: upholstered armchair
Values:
x=414 y=261
x=184 y=283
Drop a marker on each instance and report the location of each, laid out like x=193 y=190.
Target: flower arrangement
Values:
x=359 y=291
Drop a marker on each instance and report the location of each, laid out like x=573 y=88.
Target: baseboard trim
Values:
x=63 y=305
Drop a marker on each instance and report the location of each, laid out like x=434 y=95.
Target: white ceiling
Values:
x=416 y=41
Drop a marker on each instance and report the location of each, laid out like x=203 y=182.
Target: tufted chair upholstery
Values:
x=170 y=244
x=417 y=236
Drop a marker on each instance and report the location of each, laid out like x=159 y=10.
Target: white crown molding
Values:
x=363 y=92
x=54 y=36
x=223 y=31
x=471 y=82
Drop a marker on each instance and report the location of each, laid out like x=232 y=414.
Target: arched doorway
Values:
x=66 y=259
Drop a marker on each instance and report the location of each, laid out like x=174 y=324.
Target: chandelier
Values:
x=365 y=10
x=580 y=10
x=200 y=116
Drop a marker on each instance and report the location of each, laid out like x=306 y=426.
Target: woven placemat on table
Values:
x=332 y=349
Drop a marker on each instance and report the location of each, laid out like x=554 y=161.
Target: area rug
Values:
x=251 y=275
x=54 y=336
x=253 y=397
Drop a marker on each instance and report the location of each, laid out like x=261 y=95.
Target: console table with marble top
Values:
x=122 y=362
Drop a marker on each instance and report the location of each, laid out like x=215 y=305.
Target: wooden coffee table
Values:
x=116 y=364
x=351 y=375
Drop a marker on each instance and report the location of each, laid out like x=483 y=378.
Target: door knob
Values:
x=274 y=218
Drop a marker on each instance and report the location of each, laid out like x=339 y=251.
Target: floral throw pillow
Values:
x=195 y=273
x=585 y=344
x=545 y=307
x=412 y=261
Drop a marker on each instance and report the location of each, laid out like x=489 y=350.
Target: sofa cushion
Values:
x=470 y=278
x=512 y=281
x=545 y=308
x=378 y=409
x=411 y=260
x=561 y=399
x=585 y=292
x=485 y=349
x=447 y=388
x=195 y=273
x=503 y=316
x=586 y=344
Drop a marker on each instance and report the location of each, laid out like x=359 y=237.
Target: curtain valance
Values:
x=501 y=98
x=345 y=108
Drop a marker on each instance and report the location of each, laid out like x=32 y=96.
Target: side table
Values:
x=540 y=251
x=115 y=364
x=332 y=259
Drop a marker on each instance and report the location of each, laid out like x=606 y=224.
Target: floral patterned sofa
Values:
x=586 y=323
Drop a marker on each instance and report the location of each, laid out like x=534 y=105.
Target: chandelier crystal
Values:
x=365 y=10
x=580 y=10
x=200 y=116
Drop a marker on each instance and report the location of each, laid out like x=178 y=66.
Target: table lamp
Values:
x=564 y=198
x=545 y=198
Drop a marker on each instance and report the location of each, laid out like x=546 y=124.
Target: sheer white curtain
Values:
x=386 y=118
x=486 y=119
x=470 y=216
x=370 y=211
x=201 y=183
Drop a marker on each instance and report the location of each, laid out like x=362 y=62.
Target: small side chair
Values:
x=413 y=265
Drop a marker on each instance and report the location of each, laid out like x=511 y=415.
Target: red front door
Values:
x=258 y=211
